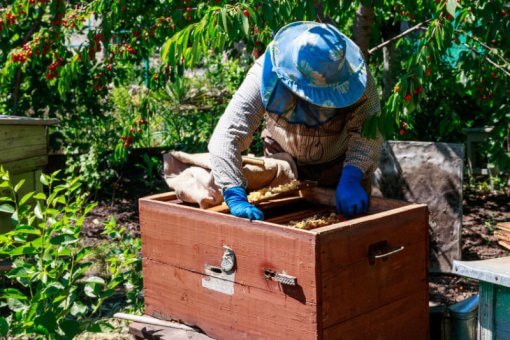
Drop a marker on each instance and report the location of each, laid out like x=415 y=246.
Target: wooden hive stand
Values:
x=494 y=309
x=502 y=233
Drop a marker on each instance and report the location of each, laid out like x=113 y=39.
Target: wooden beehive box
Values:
x=364 y=278
x=23 y=152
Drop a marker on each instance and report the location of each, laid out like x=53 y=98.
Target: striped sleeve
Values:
x=362 y=152
x=234 y=131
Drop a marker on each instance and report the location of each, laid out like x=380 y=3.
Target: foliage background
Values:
x=127 y=75
x=450 y=73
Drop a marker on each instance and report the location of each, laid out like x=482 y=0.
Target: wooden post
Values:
x=485 y=314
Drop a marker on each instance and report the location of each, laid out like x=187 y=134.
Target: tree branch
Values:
x=403 y=34
x=483 y=44
x=319 y=8
x=492 y=62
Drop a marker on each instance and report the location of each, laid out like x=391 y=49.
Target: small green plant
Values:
x=152 y=168
x=50 y=293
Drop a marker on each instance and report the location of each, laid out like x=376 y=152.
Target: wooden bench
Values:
x=494 y=309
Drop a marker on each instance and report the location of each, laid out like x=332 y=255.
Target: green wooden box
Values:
x=494 y=308
x=24 y=153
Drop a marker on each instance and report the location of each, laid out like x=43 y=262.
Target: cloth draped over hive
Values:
x=189 y=175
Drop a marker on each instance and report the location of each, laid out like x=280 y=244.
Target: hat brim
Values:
x=340 y=95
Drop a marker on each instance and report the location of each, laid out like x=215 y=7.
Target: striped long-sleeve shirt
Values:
x=308 y=145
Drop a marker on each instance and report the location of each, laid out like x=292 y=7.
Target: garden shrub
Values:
x=48 y=292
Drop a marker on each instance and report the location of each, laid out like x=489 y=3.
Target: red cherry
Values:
x=246 y=13
x=408 y=97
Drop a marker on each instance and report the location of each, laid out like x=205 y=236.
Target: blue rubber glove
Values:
x=351 y=198
x=238 y=204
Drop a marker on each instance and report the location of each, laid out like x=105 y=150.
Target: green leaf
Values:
x=26 y=197
x=23 y=250
x=78 y=309
x=451 y=6
x=19 y=185
x=14 y=218
x=7 y=208
x=27 y=229
x=53 y=288
x=246 y=25
x=71 y=328
x=63 y=239
x=15 y=305
x=38 y=211
x=40 y=329
x=224 y=19
x=13 y=293
x=4 y=327
x=100 y=327
x=40 y=196
x=90 y=290
x=5 y=184
x=44 y=179
x=95 y=279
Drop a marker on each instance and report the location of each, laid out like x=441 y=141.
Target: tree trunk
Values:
x=362 y=26
x=391 y=58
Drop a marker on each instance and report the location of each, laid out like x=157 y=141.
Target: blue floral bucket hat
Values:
x=316 y=63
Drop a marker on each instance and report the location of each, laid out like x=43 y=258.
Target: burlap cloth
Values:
x=189 y=175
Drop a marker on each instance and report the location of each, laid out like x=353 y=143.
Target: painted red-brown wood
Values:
x=251 y=313
x=336 y=283
x=344 y=255
x=190 y=238
x=402 y=319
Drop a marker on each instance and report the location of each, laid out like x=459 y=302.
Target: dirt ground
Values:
x=481 y=212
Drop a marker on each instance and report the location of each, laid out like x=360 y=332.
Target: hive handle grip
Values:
x=381 y=250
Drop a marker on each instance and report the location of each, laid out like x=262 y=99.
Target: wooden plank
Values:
x=144 y=331
x=266 y=203
x=17 y=134
x=502 y=235
x=372 y=218
x=504 y=244
x=485 y=311
x=21 y=120
x=403 y=319
x=25 y=165
x=496 y=271
x=399 y=228
x=327 y=197
x=190 y=238
x=503 y=226
x=162 y=197
x=345 y=255
x=502 y=313
x=400 y=275
x=177 y=294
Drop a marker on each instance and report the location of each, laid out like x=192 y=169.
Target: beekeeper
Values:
x=314 y=91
